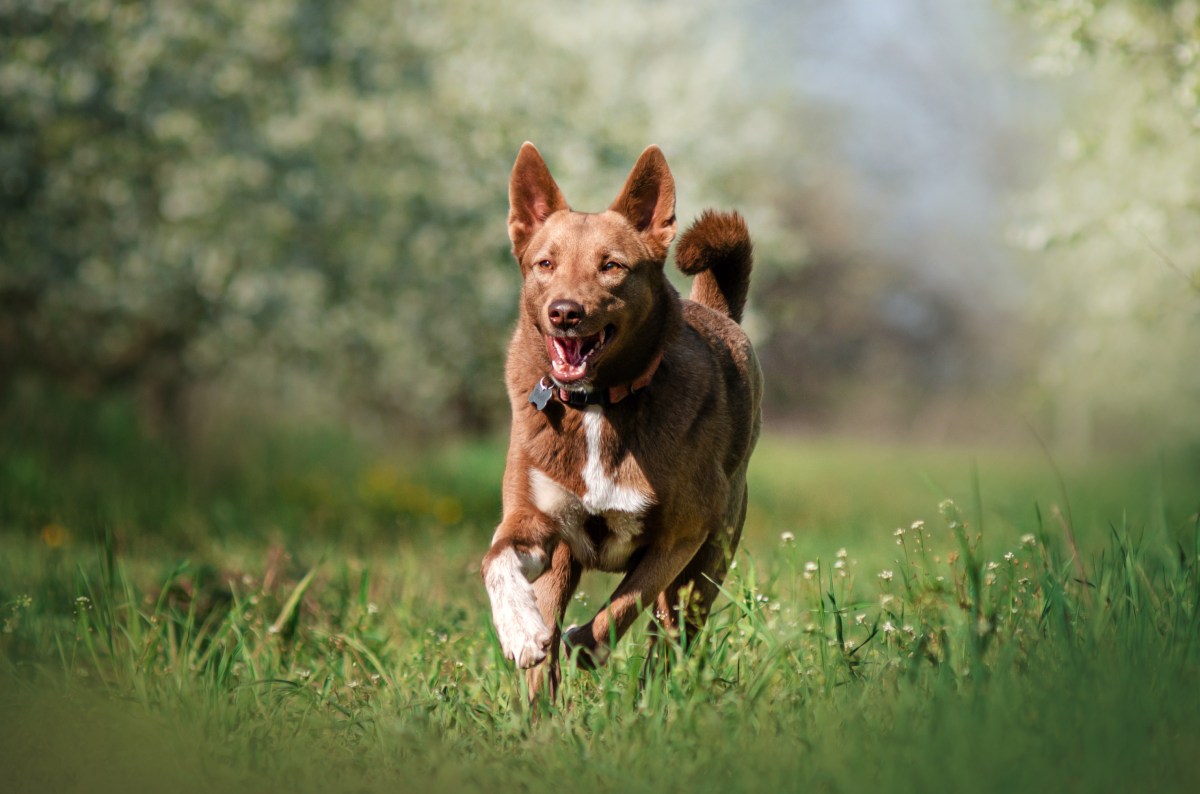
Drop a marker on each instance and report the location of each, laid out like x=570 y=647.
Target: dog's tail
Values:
x=717 y=251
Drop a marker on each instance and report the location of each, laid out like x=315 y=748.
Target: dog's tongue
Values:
x=568 y=356
x=572 y=350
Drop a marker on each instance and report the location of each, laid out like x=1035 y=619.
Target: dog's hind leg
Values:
x=682 y=608
x=553 y=591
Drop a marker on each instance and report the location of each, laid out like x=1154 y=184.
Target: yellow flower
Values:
x=55 y=535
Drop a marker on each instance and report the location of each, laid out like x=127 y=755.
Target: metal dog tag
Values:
x=541 y=394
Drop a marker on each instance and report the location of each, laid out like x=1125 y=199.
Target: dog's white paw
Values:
x=523 y=634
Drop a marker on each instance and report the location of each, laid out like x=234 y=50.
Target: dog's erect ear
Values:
x=533 y=197
x=648 y=200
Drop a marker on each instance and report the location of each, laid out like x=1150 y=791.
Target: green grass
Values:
x=297 y=611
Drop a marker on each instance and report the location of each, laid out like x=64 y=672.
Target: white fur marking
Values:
x=565 y=509
x=621 y=506
x=519 y=625
x=548 y=496
x=603 y=493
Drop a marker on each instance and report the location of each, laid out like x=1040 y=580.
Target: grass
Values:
x=298 y=611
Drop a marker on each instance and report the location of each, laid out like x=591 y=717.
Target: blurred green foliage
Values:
x=1112 y=230
x=73 y=471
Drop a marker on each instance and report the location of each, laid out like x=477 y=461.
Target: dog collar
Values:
x=546 y=389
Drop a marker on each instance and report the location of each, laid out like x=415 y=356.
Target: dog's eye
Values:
x=610 y=265
x=545 y=264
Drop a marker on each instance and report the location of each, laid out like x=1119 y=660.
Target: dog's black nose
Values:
x=565 y=314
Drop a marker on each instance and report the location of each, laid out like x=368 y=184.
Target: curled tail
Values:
x=717 y=251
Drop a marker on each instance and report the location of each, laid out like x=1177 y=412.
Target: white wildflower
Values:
x=787 y=537
x=885 y=575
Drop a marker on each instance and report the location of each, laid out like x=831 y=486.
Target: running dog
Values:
x=634 y=414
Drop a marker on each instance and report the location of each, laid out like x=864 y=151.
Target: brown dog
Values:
x=634 y=414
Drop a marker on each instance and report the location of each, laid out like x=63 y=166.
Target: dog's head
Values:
x=593 y=282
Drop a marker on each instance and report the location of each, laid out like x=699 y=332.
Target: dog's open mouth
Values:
x=570 y=355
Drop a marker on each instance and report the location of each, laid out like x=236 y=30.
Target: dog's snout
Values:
x=565 y=314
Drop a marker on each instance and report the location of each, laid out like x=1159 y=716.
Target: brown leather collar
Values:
x=546 y=388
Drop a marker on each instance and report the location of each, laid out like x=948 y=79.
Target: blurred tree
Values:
x=1114 y=227
x=299 y=191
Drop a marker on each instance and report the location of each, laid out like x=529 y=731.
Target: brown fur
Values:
x=676 y=451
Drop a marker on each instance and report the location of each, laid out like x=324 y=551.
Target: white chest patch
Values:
x=604 y=494
x=621 y=506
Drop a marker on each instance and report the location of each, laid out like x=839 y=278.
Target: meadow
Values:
x=300 y=610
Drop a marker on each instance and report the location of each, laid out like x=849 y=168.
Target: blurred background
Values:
x=972 y=218
x=255 y=296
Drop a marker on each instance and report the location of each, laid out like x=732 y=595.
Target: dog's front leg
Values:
x=639 y=589
x=553 y=592
x=520 y=553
